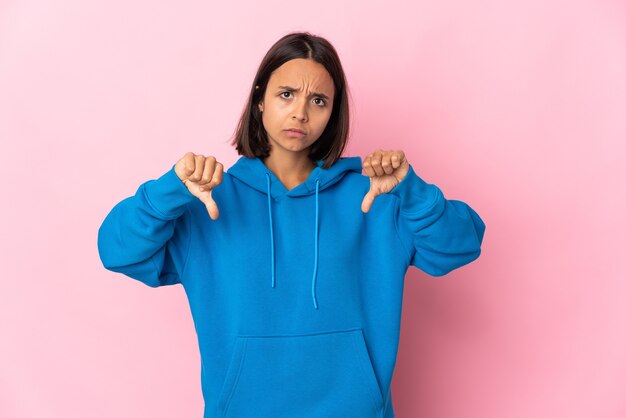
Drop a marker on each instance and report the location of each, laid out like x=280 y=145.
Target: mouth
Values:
x=295 y=133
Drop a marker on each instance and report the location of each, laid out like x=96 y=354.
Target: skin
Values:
x=201 y=174
x=302 y=108
x=385 y=168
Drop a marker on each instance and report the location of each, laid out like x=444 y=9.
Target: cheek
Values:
x=324 y=120
x=269 y=116
x=275 y=113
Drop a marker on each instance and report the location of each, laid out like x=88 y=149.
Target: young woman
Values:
x=293 y=261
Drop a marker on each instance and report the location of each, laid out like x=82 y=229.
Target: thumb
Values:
x=210 y=204
x=366 y=204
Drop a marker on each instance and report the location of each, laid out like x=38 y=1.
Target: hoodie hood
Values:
x=254 y=173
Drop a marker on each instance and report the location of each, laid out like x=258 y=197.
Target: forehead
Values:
x=299 y=71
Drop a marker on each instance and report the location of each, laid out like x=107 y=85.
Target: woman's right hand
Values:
x=201 y=174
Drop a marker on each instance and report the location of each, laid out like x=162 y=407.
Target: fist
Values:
x=385 y=169
x=201 y=174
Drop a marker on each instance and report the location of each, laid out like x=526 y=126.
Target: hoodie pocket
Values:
x=305 y=376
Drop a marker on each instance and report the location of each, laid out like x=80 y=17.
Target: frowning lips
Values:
x=296 y=130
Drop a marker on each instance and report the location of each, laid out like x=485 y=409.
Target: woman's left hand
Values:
x=385 y=169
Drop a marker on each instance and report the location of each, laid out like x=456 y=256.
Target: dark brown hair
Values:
x=250 y=138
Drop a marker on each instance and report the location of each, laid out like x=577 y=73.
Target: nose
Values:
x=299 y=112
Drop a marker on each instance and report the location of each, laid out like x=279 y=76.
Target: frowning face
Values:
x=299 y=95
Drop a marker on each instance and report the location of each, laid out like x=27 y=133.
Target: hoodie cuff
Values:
x=168 y=194
x=415 y=194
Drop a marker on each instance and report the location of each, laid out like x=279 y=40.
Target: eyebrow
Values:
x=315 y=93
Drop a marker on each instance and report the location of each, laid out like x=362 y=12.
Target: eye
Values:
x=323 y=102
x=288 y=92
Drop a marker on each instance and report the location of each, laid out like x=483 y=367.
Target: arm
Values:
x=146 y=236
x=444 y=234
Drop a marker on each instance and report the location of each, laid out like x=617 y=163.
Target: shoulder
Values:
x=354 y=186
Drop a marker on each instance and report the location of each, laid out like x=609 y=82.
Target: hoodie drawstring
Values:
x=317 y=231
x=269 y=208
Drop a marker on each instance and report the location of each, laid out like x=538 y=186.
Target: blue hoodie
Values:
x=296 y=295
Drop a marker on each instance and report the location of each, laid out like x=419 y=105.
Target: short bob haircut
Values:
x=250 y=137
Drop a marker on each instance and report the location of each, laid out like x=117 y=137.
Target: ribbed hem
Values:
x=168 y=195
x=415 y=194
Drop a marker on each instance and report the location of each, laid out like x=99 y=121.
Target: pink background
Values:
x=517 y=108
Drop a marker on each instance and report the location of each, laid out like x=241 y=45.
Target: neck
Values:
x=290 y=170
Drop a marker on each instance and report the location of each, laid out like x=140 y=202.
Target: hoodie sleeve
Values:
x=445 y=234
x=146 y=236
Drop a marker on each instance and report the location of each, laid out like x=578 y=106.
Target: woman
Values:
x=293 y=261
